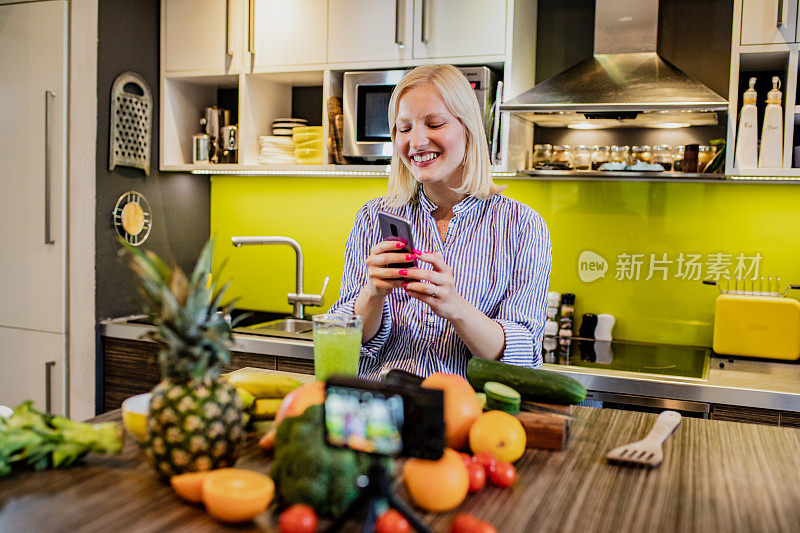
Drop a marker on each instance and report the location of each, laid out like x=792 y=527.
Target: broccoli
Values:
x=307 y=470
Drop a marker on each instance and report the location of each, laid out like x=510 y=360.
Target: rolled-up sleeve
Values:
x=354 y=276
x=522 y=311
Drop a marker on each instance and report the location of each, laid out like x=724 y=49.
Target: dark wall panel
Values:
x=128 y=35
x=564 y=35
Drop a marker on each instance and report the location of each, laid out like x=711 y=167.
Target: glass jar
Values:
x=600 y=156
x=704 y=156
x=581 y=157
x=562 y=155
x=663 y=155
x=641 y=154
x=691 y=156
x=618 y=154
x=677 y=157
x=541 y=154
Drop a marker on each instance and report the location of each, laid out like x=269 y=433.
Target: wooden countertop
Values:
x=716 y=476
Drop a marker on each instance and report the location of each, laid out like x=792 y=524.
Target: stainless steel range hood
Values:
x=625 y=82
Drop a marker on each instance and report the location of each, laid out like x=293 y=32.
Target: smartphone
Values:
x=381 y=419
x=395 y=228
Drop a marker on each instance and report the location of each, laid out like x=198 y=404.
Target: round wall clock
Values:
x=132 y=217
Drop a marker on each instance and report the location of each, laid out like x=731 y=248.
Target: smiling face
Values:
x=430 y=140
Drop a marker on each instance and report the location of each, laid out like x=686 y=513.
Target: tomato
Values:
x=503 y=474
x=486 y=459
x=467 y=458
x=467 y=523
x=464 y=523
x=484 y=527
x=392 y=522
x=477 y=477
x=298 y=518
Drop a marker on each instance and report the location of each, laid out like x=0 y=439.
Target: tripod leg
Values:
x=407 y=512
x=349 y=512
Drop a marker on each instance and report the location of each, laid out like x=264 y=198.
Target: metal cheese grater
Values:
x=131 y=123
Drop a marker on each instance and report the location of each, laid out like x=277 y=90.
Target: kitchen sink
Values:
x=284 y=327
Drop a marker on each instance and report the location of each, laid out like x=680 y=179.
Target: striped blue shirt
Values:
x=499 y=250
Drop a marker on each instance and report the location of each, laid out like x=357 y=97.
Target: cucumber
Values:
x=496 y=405
x=500 y=393
x=532 y=384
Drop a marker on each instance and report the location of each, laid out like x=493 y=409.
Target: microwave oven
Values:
x=365 y=104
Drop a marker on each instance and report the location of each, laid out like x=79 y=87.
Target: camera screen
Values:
x=364 y=420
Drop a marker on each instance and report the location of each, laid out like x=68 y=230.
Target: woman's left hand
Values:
x=440 y=291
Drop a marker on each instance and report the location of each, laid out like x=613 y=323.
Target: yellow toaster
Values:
x=757 y=326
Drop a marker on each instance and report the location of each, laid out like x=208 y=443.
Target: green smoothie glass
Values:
x=337 y=344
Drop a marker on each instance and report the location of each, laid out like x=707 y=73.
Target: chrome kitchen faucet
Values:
x=297 y=298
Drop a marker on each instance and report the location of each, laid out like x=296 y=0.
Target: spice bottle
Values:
x=690 y=158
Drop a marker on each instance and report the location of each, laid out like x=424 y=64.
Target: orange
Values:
x=294 y=404
x=461 y=406
x=500 y=434
x=189 y=486
x=439 y=485
x=236 y=495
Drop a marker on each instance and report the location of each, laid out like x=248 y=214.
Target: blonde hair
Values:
x=459 y=98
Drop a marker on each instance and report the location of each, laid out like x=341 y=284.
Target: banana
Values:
x=246 y=397
x=266 y=408
x=264 y=385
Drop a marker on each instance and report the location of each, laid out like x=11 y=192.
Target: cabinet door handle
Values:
x=49 y=96
x=48 y=390
x=228 y=52
x=781 y=14
x=426 y=23
x=251 y=27
x=399 y=12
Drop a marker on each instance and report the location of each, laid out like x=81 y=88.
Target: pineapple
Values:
x=196 y=419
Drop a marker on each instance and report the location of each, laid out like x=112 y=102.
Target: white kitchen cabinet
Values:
x=203 y=36
x=459 y=28
x=287 y=32
x=32 y=195
x=32 y=369
x=397 y=30
x=768 y=21
x=369 y=30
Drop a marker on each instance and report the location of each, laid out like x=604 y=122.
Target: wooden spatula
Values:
x=648 y=450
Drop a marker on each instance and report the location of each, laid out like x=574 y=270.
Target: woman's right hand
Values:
x=382 y=280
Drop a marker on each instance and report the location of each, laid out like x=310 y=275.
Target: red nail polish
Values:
x=417 y=252
x=398 y=244
x=405 y=284
x=410 y=257
x=402 y=272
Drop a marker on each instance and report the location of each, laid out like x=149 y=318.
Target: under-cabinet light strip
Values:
x=310 y=172
x=765 y=178
x=354 y=173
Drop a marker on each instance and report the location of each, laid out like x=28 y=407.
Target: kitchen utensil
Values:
x=131 y=123
x=229 y=144
x=648 y=450
x=201 y=148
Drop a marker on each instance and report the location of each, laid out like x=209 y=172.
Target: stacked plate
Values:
x=307 y=144
x=283 y=126
x=276 y=149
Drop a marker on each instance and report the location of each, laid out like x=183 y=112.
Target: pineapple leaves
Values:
x=191 y=330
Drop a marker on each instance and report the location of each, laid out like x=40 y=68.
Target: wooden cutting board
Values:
x=549 y=430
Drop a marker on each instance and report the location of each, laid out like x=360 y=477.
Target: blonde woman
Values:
x=480 y=288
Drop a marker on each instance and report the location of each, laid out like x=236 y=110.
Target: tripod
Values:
x=377 y=486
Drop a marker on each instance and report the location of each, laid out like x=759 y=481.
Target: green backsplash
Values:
x=612 y=219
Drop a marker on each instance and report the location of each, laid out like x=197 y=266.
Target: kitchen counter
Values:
x=742 y=382
x=716 y=476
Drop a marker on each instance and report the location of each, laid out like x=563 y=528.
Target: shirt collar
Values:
x=464 y=205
